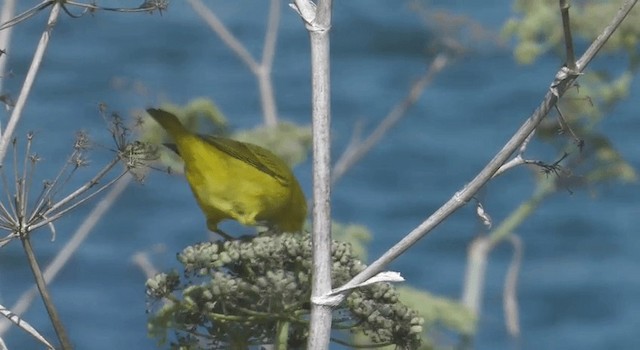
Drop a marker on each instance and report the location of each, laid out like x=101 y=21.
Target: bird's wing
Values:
x=251 y=154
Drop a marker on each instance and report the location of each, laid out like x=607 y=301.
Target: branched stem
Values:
x=262 y=69
x=51 y=215
x=75 y=194
x=49 y=218
x=468 y=192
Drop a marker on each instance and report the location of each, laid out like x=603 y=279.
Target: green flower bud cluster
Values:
x=245 y=291
x=383 y=318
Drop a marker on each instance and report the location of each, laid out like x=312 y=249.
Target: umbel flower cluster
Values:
x=235 y=294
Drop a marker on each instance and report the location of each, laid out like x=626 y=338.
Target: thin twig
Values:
x=356 y=150
x=28 y=82
x=65 y=343
x=225 y=34
x=24 y=325
x=8 y=9
x=26 y=14
x=468 y=191
x=568 y=40
x=564 y=126
x=510 y=295
x=475 y=273
x=265 y=85
x=25 y=179
x=262 y=70
x=518 y=159
x=52 y=215
x=147 y=6
x=79 y=191
x=48 y=191
x=141 y=259
x=65 y=254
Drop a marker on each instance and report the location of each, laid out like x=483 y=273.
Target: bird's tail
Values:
x=168 y=121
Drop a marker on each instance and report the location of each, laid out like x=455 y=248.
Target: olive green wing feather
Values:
x=254 y=155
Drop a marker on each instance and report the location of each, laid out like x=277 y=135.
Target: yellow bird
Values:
x=236 y=180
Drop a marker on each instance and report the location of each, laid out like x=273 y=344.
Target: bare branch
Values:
x=356 y=150
x=461 y=197
x=26 y=14
x=63 y=338
x=57 y=210
x=65 y=254
x=262 y=70
x=24 y=325
x=7 y=11
x=141 y=259
x=518 y=159
x=568 y=40
x=475 y=274
x=318 y=24
x=28 y=82
x=225 y=34
x=79 y=191
x=564 y=126
x=510 y=297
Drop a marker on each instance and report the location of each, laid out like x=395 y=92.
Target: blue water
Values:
x=578 y=286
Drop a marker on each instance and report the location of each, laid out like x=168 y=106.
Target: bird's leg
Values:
x=222 y=234
x=268 y=230
x=213 y=227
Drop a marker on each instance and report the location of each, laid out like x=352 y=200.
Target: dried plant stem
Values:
x=568 y=40
x=481 y=247
x=44 y=294
x=25 y=326
x=510 y=298
x=262 y=70
x=8 y=9
x=73 y=196
x=461 y=197
x=318 y=23
x=7 y=134
x=55 y=216
x=65 y=254
x=356 y=150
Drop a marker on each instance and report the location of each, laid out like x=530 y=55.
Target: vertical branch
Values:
x=8 y=9
x=318 y=23
x=265 y=85
x=28 y=82
x=568 y=40
x=262 y=69
x=65 y=343
x=510 y=299
x=475 y=273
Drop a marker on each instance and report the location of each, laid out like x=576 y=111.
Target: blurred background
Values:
x=578 y=285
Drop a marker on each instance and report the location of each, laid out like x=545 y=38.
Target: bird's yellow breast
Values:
x=228 y=188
